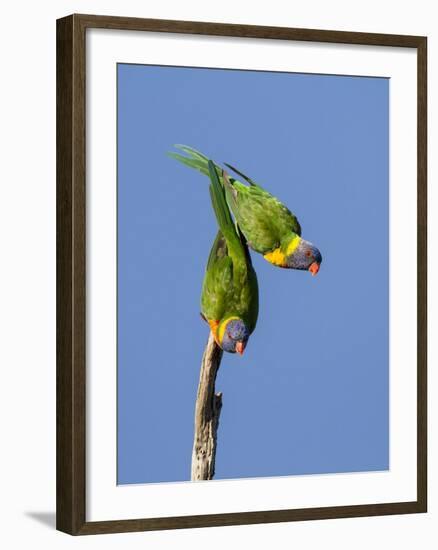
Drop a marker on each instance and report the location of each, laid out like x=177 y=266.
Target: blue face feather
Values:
x=235 y=336
x=304 y=256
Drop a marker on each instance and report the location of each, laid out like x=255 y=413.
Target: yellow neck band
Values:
x=223 y=326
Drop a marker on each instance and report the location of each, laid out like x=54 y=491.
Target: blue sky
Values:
x=310 y=394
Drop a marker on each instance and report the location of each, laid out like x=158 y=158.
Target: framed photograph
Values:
x=241 y=274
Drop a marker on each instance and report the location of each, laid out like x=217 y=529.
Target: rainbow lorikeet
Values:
x=268 y=225
x=229 y=300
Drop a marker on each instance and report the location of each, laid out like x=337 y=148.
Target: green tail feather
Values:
x=220 y=206
x=192 y=152
x=195 y=160
x=236 y=248
x=192 y=163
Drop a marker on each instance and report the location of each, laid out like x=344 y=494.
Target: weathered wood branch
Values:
x=207 y=411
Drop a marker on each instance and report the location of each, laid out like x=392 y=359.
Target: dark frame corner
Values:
x=71 y=232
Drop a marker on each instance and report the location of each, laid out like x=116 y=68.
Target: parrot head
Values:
x=235 y=336
x=305 y=256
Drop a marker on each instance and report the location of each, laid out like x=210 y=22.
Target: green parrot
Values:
x=268 y=225
x=229 y=300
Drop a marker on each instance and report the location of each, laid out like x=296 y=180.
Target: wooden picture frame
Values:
x=71 y=273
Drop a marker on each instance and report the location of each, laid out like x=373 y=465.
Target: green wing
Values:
x=263 y=219
x=221 y=297
x=218 y=281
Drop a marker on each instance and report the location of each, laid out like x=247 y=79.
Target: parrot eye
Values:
x=308 y=253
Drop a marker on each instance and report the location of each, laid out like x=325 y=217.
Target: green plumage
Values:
x=230 y=286
x=265 y=222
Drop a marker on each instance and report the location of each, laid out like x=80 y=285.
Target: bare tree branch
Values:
x=207 y=411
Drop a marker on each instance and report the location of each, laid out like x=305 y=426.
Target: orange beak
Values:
x=314 y=268
x=240 y=346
